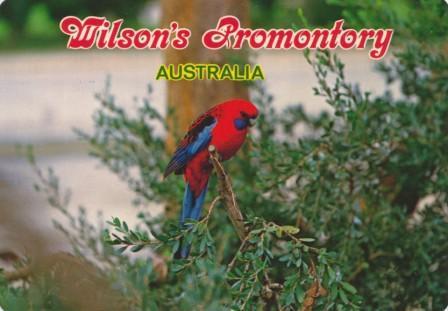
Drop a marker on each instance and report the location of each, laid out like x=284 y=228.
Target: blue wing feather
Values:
x=196 y=139
x=201 y=141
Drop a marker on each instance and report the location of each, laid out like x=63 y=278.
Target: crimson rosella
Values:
x=224 y=126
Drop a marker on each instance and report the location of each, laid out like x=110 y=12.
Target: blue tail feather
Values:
x=191 y=209
x=187 y=205
x=197 y=208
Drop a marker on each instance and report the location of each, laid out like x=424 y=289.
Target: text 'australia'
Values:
x=210 y=72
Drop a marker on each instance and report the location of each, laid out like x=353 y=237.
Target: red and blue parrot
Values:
x=224 y=126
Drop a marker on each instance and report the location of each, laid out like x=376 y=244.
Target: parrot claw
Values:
x=212 y=149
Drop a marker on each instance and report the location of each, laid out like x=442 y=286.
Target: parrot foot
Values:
x=212 y=149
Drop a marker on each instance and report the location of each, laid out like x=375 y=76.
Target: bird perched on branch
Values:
x=224 y=126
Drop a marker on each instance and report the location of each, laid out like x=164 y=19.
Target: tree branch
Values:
x=227 y=194
x=19 y=274
x=315 y=291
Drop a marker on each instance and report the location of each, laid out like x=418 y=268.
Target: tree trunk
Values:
x=186 y=100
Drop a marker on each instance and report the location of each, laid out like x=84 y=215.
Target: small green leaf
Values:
x=284 y=258
x=134 y=236
x=348 y=287
x=300 y=294
x=122 y=249
x=175 y=246
x=343 y=296
x=202 y=245
x=331 y=273
x=116 y=222
x=137 y=248
x=177 y=268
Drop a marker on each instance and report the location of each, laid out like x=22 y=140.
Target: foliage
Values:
x=421 y=20
x=282 y=14
x=17 y=11
x=31 y=23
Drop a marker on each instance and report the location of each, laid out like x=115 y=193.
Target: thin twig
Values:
x=362 y=266
x=210 y=209
x=240 y=250
x=270 y=290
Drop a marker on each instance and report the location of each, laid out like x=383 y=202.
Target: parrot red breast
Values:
x=224 y=126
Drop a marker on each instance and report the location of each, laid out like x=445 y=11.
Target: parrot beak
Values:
x=252 y=121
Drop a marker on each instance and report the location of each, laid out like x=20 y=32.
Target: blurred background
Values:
x=46 y=91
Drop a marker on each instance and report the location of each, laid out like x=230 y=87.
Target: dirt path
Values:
x=47 y=94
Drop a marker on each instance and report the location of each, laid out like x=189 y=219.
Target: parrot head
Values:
x=241 y=112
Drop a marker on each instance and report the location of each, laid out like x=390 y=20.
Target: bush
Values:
x=34 y=24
